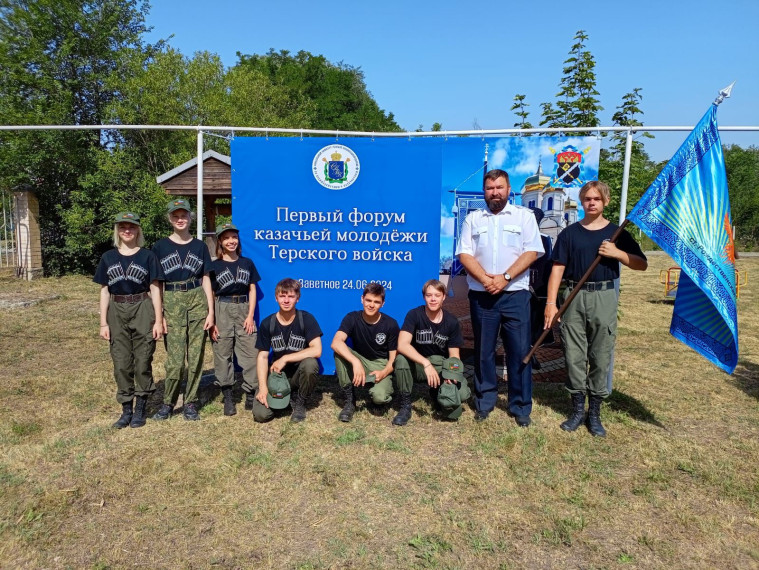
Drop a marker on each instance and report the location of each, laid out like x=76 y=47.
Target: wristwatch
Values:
x=506 y=276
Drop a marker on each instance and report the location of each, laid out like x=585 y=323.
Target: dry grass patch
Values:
x=674 y=484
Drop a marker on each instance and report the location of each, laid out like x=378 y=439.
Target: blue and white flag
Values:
x=686 y=211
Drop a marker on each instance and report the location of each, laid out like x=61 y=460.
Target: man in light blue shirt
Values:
x=497 y=246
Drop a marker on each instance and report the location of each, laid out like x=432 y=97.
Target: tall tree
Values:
x=520 y=110
x=338 y=91
x=642 y=169
x=59 y=59
x=577 y=103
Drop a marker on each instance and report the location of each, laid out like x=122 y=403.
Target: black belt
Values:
x=182 y=285
x=233 y=299
x=592 y=285
x=130 y=298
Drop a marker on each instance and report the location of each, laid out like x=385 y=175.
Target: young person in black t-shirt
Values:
x=130 y=299
x=374 y=341
x=234 y=278
x=589 y=325
x=289 y=344
x=429 y=344
x=188 y=308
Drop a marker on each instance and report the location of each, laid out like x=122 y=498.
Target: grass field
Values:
x=675 y=483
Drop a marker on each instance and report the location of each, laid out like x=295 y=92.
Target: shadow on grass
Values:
x=668 y=301
x=621 y=402
x=746 y=378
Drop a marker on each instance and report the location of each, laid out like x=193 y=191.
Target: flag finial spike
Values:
x=724 y=93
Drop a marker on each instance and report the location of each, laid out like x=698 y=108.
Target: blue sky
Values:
x=461 y=63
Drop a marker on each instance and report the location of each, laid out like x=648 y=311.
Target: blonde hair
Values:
x=117 y=239
x=602 y=188
x=435 y=284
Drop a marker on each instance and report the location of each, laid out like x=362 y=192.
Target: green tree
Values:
x=742 y=167
x=577 y=103
x=338 y=91
x=60 y=59
x=520 y=107
x=643 y=170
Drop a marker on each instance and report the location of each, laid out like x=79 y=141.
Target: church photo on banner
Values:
x=337 y=214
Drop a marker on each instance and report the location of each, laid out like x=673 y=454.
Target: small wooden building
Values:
x=217 y=186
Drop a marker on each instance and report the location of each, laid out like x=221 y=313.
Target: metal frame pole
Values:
x=200 y=185
x=625 y=176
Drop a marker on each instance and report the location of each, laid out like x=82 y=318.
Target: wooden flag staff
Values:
x=572 y=295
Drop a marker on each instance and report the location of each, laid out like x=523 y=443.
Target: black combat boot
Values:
x=578 y=413
x=140 y=413
x=164 y=412
x=126 y=416
x=594 y=417
x=229 y=403
x=404 y=414
x=250 y=397
x=299 y=408
x=191 y=412
x=346 y=414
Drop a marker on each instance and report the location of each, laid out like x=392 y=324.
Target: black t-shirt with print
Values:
x=128 y=274
x=287 y=339
x=430 y=338
x=233 y=277
x=577 y=248
x=371 y=341
x=182 y=262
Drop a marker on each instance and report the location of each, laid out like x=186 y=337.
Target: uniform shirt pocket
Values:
x=511 y=236
x=480 y=236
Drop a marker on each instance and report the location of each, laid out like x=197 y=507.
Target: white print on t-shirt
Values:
x=136 y=273
x=424 y=336
x=193 y=263
x=115 y=274
x=225 y=278
x=243 y=276
x=441 y=340
x=171 y=262
x=380 y=338
x=295 y=343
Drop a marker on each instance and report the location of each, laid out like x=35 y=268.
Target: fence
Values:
x=8 y=251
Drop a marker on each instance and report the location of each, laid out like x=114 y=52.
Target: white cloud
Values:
x=446 y=227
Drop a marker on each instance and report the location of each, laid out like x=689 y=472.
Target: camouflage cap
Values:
x=278 y=396
x=453 y=369
x=450 y=400
x=226 y=227
x=127 y=217
x=178 y=204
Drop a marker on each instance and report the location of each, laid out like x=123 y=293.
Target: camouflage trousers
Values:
x=132 y=347
x=185 y=342
x=234 y=341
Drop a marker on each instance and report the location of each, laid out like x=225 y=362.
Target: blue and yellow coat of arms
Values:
x=336 y=170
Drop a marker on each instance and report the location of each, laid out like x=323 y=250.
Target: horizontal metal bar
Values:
x=407 y=134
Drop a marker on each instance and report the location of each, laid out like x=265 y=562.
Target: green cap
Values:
x=226 y=227
x=178 y=204
x=128 y=217
x=450 y=400
x=278 y=397
x=453 y=369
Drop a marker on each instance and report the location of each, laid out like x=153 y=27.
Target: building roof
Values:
x=193 y=163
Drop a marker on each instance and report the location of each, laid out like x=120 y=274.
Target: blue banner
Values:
x=686 y=211
x=335 y=215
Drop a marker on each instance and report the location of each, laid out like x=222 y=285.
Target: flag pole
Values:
x=577 y=288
